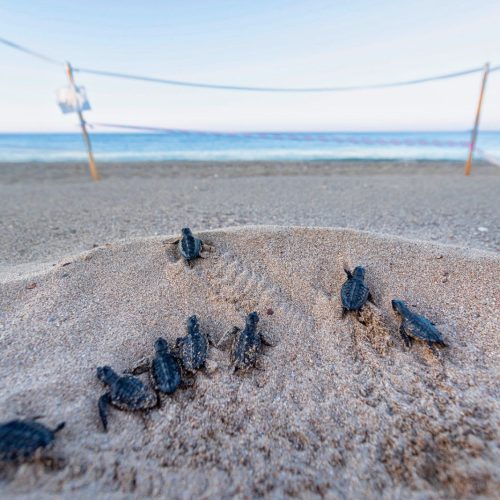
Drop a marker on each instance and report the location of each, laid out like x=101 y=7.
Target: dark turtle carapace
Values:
x=247 y=344
x=354 y=292
x=21 y=440
x=415 y=326
x=193 y=348
x=189 y=246
x=126 y=393
x=192 y=247
x=164 y=369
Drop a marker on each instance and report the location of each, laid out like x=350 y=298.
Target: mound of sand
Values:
x=338 y=408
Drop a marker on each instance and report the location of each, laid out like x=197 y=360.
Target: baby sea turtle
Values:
x=126 y=393
x=193 y=348
x=164 y=369
x=190 y=246
x=22 y=440
x=415 y=326
x=354 y=292
x=247 y=344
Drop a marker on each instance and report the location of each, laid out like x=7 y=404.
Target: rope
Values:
x=293 y=136
x=346 y=88
x=30 y=52
x=214 y=86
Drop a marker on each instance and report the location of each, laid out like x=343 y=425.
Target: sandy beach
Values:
x=338 y=408
x=52 y=210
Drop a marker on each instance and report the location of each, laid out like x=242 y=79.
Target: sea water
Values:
x=146 y=147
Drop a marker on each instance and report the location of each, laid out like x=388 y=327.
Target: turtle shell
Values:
x=190 y=247
x=245 y=349
x=20 y=439
x=420 y=327
x=193 y=351
x=129 y=393
x=354 y=294
x=166 y=373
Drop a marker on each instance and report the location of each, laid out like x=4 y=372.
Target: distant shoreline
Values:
x=78 y=170
x=333 y=161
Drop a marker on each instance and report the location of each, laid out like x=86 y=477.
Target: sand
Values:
x=338 y=408
x=49 y=211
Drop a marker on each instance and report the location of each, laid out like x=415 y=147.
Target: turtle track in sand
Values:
x=342 y=408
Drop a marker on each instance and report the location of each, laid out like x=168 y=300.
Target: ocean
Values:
x=127 y=147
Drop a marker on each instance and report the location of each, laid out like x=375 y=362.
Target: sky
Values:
x=254 y=43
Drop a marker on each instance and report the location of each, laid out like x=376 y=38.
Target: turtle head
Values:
x=106 y=374
x=161 y=345
x=186 y=231
x=252 y=319
x=399 y=306
x=359 y=272
x=193 y=324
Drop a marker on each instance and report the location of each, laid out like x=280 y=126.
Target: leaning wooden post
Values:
x=472 y=145
x=92 y=167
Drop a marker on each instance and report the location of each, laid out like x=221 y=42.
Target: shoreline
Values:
x=11 y=172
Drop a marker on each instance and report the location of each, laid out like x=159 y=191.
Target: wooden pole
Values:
x=92 y=166
x=468 y=165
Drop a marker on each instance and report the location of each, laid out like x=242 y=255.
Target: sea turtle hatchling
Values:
x=354 y=292
x=247 y=344
x=193 y=348
x=191 y=247
x=415 y=326
x=126 y=393
x=164 y=368
x=23 y=440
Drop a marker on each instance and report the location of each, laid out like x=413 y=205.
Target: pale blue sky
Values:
x=263 y=43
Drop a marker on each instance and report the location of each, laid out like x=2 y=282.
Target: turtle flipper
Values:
x=59 y=427
x=172 y=241
x=406 y=338
x=142 y=366
x=103 y=404
x=222 y=344
x=265 y=341
x=207 y=248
